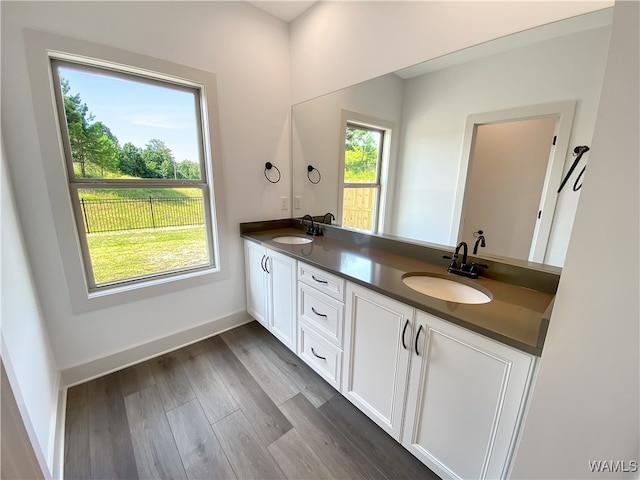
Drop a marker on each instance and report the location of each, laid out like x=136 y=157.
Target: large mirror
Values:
x=449 y=145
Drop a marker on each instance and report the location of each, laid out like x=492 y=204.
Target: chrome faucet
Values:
x=469 y=271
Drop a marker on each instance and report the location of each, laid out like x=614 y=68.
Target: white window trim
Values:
x=40 y=48
x=348 y=117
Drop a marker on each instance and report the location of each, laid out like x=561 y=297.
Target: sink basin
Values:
x=293 y=239
x=445 y=289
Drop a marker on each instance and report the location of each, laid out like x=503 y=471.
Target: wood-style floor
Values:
x=238 y=405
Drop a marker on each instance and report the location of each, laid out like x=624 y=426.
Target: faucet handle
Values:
x=474 y=270
x=453 y=264
x=481 y=265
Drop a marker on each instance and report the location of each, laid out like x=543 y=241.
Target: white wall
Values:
x=26 y=352
x=436 y=106
x=336 y=44
x=248 y=50
x=586 y=400
x=316 y=137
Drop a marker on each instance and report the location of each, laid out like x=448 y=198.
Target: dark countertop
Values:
x=517 y=316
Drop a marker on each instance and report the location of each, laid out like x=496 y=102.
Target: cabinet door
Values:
x=281 y=271
x=465 y=400
x=254 y=262
x=376 y=356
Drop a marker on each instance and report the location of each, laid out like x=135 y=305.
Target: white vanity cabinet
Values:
x=377 y=350
x=452 y=397
x=465 y=400
x=320 y=321
x=271 y=291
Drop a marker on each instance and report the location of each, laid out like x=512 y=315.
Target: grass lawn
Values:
x=132 y=253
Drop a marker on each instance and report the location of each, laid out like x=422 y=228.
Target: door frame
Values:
x=564 y=111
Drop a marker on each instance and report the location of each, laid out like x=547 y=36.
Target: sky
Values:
x=137 y=112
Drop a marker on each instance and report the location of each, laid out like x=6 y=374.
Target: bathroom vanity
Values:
x=450 y=381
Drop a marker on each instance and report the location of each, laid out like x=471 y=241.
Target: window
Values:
x=138 y=172
x=361 y=190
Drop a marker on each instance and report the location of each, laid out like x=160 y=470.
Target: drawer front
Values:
x=320 y=355
x=323 y=313
x=326 y=282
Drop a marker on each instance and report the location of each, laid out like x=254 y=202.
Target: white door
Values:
x=465 y=400
x=282 y=293
x=256 y=278
x=377 y=346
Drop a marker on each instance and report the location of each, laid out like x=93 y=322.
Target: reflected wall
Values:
x=430 y=111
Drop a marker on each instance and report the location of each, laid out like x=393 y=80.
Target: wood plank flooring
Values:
x=238 y=405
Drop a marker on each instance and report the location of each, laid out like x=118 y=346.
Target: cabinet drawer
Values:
x=323 y=313
x=326 y=282
x=322 y=356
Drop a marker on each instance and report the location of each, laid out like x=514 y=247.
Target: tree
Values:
x=159 y=160
x=188 y=170
x=104 y=148
x=361 y=154
x=92 y=143
x=130 y=161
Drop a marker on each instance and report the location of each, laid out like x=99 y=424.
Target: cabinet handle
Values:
x=404 y=330
x=417 y=337
x=319 y=314
x=319 y=281
x=266 y=264
x=314 y=352
x=262 y=263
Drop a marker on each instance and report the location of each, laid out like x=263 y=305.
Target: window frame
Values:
x=40 y=47
x=357 y=120
x=76 y=183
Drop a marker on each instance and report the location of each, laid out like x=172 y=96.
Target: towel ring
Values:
x=311 y=168
x=269 y=166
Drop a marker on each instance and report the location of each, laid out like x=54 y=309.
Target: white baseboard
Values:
x=117 y=361
x=58 y=442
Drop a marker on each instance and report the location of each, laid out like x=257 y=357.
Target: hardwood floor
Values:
x=238 y=405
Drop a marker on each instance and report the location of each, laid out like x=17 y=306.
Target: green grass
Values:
x=118 y=193
x=133 y=253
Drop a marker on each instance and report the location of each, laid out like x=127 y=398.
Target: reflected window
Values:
x=362 y=166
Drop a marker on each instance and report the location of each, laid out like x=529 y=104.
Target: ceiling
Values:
x=286 y=10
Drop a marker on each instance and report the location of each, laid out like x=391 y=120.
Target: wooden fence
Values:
x=358 y=208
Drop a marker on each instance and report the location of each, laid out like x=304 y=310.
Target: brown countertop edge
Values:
x=523 y=293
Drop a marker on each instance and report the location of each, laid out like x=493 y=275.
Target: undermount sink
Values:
x=293 y=239
x=445 y=289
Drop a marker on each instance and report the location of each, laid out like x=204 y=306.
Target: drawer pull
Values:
x=404 y=330
x=319 y=314
x=264 y=257
x=417 y=337
x=319 y=281
x=314 y=352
